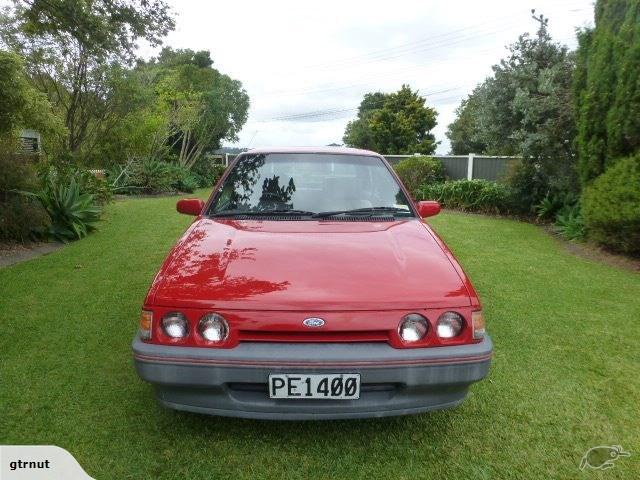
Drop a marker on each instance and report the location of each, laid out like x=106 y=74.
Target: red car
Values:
x=308 y=287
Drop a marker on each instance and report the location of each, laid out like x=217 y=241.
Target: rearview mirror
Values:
x=428 y=208
x=190 y=206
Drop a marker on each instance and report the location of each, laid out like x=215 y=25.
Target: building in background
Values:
x=30 y=141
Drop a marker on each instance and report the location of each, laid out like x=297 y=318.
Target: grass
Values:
x=564 y=379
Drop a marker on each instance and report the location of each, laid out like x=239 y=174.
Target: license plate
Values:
x=338 y=386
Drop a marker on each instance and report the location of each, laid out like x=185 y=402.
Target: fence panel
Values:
x=455 y=167
x=493 y=168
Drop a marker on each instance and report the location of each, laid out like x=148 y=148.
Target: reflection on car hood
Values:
x=308 y=265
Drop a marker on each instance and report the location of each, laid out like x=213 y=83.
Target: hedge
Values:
x=611 y=207
x=481 y=196
x=418 y=171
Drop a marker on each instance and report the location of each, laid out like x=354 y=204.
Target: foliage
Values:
x=607 y=92
x=550 y=205
x=553 y=204
x=93 y=185
x=570 y=223
x=207 y=172
x=418 y=171
x=200 y=105
x=470 y=195
x=175 y=108
x=21 y=105
x=20 y=216
x=151 y=176
x=73 y=214
x=611 y=206
x=75 y=49
x=138 y=127
x=21 y=219
x=393 y=123
x=465 y=133
x=63 y=170
x=526 y=109
x=182 y=179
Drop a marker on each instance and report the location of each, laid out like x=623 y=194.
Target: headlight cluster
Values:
x=414 y=327
x=449 y=325
x=212 y=327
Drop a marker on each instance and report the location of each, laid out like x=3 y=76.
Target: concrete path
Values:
x=22 y=254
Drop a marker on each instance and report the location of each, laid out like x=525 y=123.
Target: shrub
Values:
x=207 y=172
x=552 y=204
x=118 y=178
x=470 y=195
x=73 y=214
x=20 y=216
x=92 y=185
x=153 y=176
x=569 y=222
x=611 y=207
x=87 y=182
x=548 y=207
x=182 y=179
x=148 y=176
x=415 y=172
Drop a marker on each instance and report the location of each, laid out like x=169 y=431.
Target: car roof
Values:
x=333 y=150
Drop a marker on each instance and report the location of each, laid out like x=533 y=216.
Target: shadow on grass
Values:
x=435 y=425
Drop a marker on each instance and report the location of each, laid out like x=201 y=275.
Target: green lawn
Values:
x=565 y=375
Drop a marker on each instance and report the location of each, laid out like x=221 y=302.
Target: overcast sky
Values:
x=307 y=64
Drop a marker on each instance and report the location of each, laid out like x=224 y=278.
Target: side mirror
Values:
x=190 y=206
x=428 y=208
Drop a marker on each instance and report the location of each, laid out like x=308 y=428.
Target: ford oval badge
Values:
x=313 y=322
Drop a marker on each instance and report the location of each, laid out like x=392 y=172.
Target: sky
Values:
x=307 y=64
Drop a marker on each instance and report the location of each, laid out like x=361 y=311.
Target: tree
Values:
x=74 y=47
x=21 y=105
x=607 y=90
x=200 y=105
x=543 y=105
x=358 y=132
x=138 y=126
x=464 y=133
x=393 y=123
x=526 y=109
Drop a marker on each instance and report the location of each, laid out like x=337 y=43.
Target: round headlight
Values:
x=413 y=327
x=213 y=327
x=175 y=325
x=449 y=325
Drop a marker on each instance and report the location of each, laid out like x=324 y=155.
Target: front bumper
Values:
x=233 y=382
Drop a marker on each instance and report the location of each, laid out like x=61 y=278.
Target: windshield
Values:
x=306 y=184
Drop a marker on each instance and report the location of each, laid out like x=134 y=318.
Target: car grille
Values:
x=311 y=337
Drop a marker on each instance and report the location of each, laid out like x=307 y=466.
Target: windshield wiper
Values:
x=260 y=213
x=368 y=211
